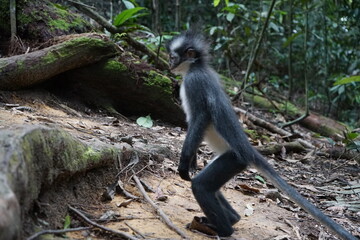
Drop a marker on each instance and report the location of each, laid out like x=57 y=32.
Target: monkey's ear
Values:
x=190 y=53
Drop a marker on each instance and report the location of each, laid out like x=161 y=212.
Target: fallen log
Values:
x=25 y=70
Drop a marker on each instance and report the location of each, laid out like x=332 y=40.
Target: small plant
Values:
x=129 y=16
x=352 y=140
x=67 y=222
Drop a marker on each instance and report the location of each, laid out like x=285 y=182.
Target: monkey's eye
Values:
x=190 y=52
x=172 y=57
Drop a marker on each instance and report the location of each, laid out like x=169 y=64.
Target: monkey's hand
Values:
x=185 y=167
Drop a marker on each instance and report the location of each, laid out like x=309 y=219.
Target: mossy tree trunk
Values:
x=37 y=21
x=25 y=70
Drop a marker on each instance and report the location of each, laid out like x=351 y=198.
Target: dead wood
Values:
x=163 y=216
x=342 y=152
x=25 y=70
x=262 y=123
x=315 y=122
x=117 y=233
x=277 y=148
x=57 y=231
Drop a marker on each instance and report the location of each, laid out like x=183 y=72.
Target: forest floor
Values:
x=265 y=214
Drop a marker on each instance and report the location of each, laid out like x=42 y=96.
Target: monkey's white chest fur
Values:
x=184 y=102
x=212 y=137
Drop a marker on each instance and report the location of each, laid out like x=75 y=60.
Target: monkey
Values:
x=210 y=117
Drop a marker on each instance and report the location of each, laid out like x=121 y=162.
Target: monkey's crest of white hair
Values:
x=191 y=39
x=198 y=42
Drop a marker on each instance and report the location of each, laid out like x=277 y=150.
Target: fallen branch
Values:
x=277 y=148
x=163 y=216
x=121 y=234
x=295 y=229
x=135 y=230
x=57 y=231
x=262 y=123
x=342 y=152
x=92 y=14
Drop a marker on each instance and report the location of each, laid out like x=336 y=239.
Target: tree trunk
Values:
x=25 y=70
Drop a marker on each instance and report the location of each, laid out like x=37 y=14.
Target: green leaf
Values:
x=352 y=135
x=355 y=145
x=260 y=178
x=346 y=80
x=126 y=15
x=128 y=4
x=145 y=121
x=230 y=17
x=332 y=142
x=59 y=6
x=291 y=38
x=274 y=26
x=67 y=222
x=216 y=3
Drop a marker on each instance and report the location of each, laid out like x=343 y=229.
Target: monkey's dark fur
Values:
x=209 y=115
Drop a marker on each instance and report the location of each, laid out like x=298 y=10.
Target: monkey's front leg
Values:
x=193 y=164
x=193 y=139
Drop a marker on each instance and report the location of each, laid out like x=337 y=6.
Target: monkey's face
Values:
x=181 y=54
x=174 y=60
x=180 y=63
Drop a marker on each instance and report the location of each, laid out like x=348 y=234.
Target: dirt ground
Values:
x=264 y=213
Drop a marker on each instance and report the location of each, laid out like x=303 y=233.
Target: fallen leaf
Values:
x=246 y=188
x=201 y=224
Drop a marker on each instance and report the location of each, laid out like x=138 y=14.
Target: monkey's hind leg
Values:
x=206 y=187
x=234 y=217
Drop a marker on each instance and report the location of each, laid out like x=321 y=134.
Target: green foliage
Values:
x=129 y=4
x=260 y=179
x=145 y=121
x=345 y=99
x=352 y=140
x=233 y=28
x=128 y=14
x=67 y=221
x=217 y=2
x=154 y=42
x=347 y=80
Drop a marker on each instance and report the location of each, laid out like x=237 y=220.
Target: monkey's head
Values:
x=186 y=49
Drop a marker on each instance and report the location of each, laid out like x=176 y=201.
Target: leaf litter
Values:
x=272 y=216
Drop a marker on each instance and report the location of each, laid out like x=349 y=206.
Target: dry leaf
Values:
x=247 y=189
x=201 y=224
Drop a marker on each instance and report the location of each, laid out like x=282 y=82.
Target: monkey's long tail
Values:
x=262 y=165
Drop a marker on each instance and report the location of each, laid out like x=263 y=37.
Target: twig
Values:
x=94 y=15
x=159 y=62
x=255 y=51
x=121 y=234
x=135 y=230
x=163 y=216
x=295 y=229
x=57 y=231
